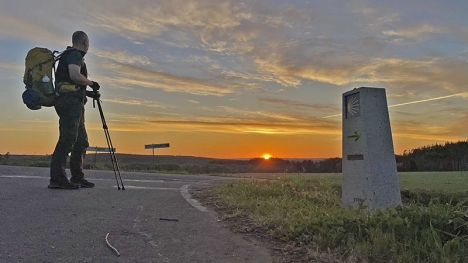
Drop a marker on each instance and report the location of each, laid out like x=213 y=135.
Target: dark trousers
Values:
x=73 y=139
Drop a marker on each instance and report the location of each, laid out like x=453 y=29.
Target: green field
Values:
x=304 y=213
x=450 y=182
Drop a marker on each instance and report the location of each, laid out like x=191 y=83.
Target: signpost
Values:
x=96 y=150
x=370 y=175
x=154 y=146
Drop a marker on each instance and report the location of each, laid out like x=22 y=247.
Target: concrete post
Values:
x=370 y=175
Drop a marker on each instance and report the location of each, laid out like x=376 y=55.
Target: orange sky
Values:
x=230 y=79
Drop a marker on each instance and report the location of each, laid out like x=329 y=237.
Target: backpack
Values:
x=38 y=79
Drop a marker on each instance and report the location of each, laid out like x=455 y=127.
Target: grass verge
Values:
x=307 y=215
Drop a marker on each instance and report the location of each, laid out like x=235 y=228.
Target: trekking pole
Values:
x=115 y=164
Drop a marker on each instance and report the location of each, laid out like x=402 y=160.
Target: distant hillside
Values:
x=123 y=159
x=148 y=159
x=187 y=164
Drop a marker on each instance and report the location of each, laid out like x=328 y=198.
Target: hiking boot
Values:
x=63 y=185
x=84 y=183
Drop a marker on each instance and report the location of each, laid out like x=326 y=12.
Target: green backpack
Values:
x=38 y=79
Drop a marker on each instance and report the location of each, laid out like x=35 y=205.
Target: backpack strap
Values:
x=57 y=56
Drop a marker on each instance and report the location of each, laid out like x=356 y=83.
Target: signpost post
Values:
x=153 y=146
x=370 y=177
x=96 y=150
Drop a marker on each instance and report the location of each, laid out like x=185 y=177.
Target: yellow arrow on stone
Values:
x=356 y=136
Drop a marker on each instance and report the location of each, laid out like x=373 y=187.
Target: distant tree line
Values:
x=229 y=166
x=452 y=156
x=260 y=165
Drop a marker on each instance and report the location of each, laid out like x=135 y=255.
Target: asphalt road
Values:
x=38 y=224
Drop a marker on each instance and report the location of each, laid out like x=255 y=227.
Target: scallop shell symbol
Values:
x=353 y=106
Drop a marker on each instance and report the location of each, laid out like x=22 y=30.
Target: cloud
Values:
x=281 y=44
x=415 y=31
x=150 y=19
x=250 y=127
x=230 y=127
x=289 y=103
x=236 y=45
x=17 y=27
x=124 y=57
x=269 y=44
x=203 y=62
x=128 y=69
x=417 y=74
x=12 y=65
x=229 y=28
x=35 y=21
x=421 y=130
x=265 y=114
x=128 y=75
x=137 y=102
x=226 y=120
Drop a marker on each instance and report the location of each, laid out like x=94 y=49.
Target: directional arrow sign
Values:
x=161 y=145
x=355 y=136
x=98 y=149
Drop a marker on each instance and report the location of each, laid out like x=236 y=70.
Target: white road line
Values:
x=147 y=188
x=130 y=180
x=91 y=179
x=23 y=176
x=184 y=192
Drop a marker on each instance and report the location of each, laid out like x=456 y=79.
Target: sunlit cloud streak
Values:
x=136 y=102
x=300 y=104
x=123 y=57
x=242 y=122
x=128 y=75
x=412 y=129
x=226 y=127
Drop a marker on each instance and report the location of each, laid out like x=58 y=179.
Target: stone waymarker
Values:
x=370 y=175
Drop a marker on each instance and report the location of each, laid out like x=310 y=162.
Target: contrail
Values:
x=411 y=102
x=419 y=101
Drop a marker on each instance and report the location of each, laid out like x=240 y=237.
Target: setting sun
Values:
x=266 y=156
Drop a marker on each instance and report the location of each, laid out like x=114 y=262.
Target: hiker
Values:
x=71 y=81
